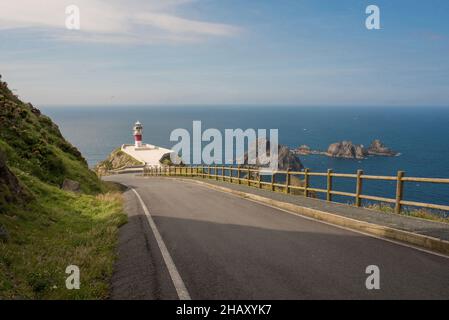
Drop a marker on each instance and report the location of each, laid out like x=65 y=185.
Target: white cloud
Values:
x=113 y=21
x=179 y=25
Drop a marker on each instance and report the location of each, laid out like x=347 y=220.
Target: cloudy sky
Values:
x=218 y=52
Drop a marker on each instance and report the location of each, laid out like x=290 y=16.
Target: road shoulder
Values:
x=139 y=271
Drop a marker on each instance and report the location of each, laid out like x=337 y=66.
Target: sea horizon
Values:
x=96 y=132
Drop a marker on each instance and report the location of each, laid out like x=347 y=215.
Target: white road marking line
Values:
x=180 y=287
x=328 y=223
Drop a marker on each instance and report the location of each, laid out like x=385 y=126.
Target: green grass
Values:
x=50 y=229
x=116 y=160
x=56 y=230
x=34 y=144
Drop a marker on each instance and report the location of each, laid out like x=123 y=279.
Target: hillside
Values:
x=116 y=160
x=33 y=144
x=44 y=229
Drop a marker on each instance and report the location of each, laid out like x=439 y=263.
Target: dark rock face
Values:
x=35 y=110
x=377 y=148
x=4 y=235
x=346 y=149
x=286 y=158
x=70 y=185
x=11 y=191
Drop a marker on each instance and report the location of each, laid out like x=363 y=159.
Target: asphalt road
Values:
x=225 y=247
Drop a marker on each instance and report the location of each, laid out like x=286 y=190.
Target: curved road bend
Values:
x=226 y=247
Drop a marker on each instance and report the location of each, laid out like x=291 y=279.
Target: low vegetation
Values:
x=115 y=161
x=44 y=229
x=417 y=213
x=60 y=229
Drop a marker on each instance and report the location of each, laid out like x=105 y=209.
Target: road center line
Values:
x=180 y=287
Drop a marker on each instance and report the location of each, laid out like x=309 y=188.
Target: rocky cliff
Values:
x=116 y=160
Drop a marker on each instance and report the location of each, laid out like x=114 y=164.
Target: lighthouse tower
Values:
x=138 y=128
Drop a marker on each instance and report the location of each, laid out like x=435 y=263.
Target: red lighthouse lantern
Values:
x=138 y=129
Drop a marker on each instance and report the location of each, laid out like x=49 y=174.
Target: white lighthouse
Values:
x=149 y=155
x=138 y=129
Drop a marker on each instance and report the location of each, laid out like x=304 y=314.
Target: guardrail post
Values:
x=272 y=180
x=358 y=189
x=306 y=182
x=209 y=175
x=249 y=177
x=399 y=192
x=216 y=172
x=222 y=173
x=287 y=181
x=238 y=174
x=329 y=185
x=258 y=180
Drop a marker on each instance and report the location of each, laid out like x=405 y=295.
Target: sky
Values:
x=226 y=52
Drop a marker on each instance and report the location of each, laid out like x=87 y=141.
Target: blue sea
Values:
x=421 y=135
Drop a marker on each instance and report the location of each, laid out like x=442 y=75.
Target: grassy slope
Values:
x=116 y=160
x=34 y=144
x=57 y=228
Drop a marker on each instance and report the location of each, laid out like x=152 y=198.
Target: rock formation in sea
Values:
x=377 y=148
x=286 y=158
x=349 y=150
x=346 y=149
x=303 y=150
